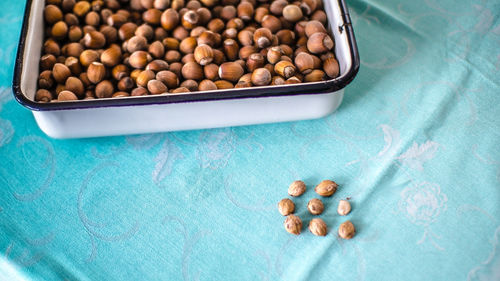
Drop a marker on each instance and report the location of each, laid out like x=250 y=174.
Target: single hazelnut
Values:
x=145 y=30
x=75 y=85
x=326 y=188
x=203 y=54
x=231 y=49
x=176 y=68
x=180 y=90
x=344 y=207
x=297 y=188
x=104 y=89
x=261 y=77
x=260 y=13
x=170 y=79
x=94 y=40
x=75 y=33
x=286 y=36
x=255 y=61
x=190 y=19
x=277 y=7
x=120 y=71
x=293 y=224
x=319 y=43
x=228 y=12
x=173 y=56
x=207 y=37
x=245 y=11
x=223 y=84
x=111 y=56
x=125 y=84
x=287 y=50
x=157 y=50
x=315 y=76
x=87 y=57
x=93 y=18
x=274 y=54
x=170 y=19
x=190 y=84
x=52 y=14
x=246 y=78
x=192 y=70
x=243 y=84
x=211 y=71
x=285 y=69
x=318 y=227
x=346 y=230
x=139 y=59
x=73 y=50
x=207 y=85
x=188 y=45
x=144 y=77
x=315 y=206
x=74 y=66
x=216 y=25
x=319 y=16
x=246 y=51
x=47 y=61
x=171 y=43
x=245 y=37
x=308 y=6
x=292 y=13
x=139 y=91
x=96 y=72
x=278 y=80
x=152 y=16
x=263 y=37
x=230 y=33
x=43 y=95
x=313 y=27
x=51 y=47
x=60 y=30
x=127 y=31
x=157 y=65
x=231 y=71
x=81 y=8
x=286 y=207
x=120 y=94
x=204 y=15
x=156 y=87
x=66 y=96
x=331 y=67
x=304 y=62
x=67 y=5
x=60 y=72
x=137 y=43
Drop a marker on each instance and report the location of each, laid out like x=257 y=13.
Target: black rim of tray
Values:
x=240 y=93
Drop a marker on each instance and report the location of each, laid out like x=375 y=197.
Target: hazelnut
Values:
x=246 y=78
x=81 y=8
x=60 y=30
x=66 y=96
x=230 y=33
x=318 y=227
x=235 y=23
x=51 y=47
x=137 y=43
x=176 y=68
x=75 y=85
x=203 y=54
x=315 y=76
x=216 y=25
x=120 y=95
x=223 y=84
x=139 y=59
x=292 y=13
x=231 y=49
x=168 y=78
x=315 y=206
x=204 y=15
x=43 y=95
x=96 y=72
x=104 y=89
x=308 y=6
x=207 y=37
x=192 y=70
x=180 y=90
x=344 y=207
x=262 y=37
x=188 y=45
x=278 y=80
x=346 y=230
x=73 y=65
x=297 y=188
x=173 y=56
x=170 y=19
x=139 y=91
x=243 y=84
x=285 y=69
x=326 y=188
x=260 y=12
x=156 y=87
x=286 y=36
x=319 y=16
x=125 y=84
x=246 y=51
x=127 y=31
x=111 y=56
x=145 y=31
x=293 y=80
x=219 y=57
x=93 y=18
x=45 y=80
x=304 y=63
x=207 y=85
x=293 y=224
x=245 y=37
x=319 y=43
x=52 y=14
x=60 y=72
x=286 y=207
x=94 y=40
x=211 y=71
x=87 y=57
x=144 y=77
x=272 y=23
x=274 y=54
x=331 y=67
x=277 y=7
x=75 y=33
x=47 y=61
x=67 y=5
x=261 y=77
x=152 y=16
x=190 y=19
x=171 y=43
x=314 y=26
x=157 y=50
x=73 y=50
x=245 y=11
x=120 y=71
x=228 y=12
x=231 y=71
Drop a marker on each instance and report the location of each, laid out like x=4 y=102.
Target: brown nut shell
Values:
x=326 y=188
x=297 y=188
x=315 y=206
x=286 y=207
x=344 y=208
x=318 y=227
x=347 y=230
x=293 y=224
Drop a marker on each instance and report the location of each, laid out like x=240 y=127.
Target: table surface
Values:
x=415 y=144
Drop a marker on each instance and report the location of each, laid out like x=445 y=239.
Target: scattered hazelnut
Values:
x=326 y=188
x=286 y=207
x=344 y=207
x=315 y=206
x=347 y=230
x=293 y=224
x=318 y=227
x=261 y=77
x=297 y=188
x=319 y=43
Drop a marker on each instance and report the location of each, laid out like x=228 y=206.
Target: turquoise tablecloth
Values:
x=416 y=145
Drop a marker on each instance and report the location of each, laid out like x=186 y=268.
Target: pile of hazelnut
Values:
x=317 y=226
x=120 y=48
